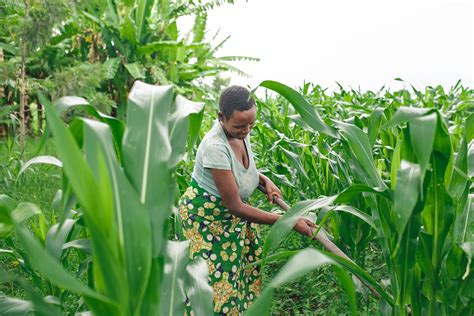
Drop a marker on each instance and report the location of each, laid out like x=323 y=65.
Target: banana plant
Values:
x=141 y=41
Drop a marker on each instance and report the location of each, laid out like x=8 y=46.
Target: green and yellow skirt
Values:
x=227 y=243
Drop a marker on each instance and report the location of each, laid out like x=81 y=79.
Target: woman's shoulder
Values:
x=214 y=137
x=213 y=144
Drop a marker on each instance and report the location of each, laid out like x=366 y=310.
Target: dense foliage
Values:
x=357 y=160
x=97 y=49
x=387 y=174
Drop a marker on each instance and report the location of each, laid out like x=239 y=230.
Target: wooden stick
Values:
x=322 y=238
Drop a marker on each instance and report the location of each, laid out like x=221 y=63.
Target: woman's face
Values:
x=239 y=124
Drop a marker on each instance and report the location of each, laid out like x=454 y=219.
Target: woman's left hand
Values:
x=272 y=190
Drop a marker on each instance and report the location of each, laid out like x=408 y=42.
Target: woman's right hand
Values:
x=303 y=226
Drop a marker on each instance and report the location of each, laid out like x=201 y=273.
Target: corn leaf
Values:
x=197 y=287
x=308 y=113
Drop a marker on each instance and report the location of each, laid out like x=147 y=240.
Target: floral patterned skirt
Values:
x=228 y=244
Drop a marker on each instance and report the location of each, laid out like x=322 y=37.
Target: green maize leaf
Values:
x=286 y=223
x=83 y=245
x=179 y=124
x=173 y=295
x=361 y=274
x=275 y=257
x=302 y=263
x=403 y=256
x=76 y=128
x=396 y=161
x=468 y=248
x=361 y=150
x=416 y=292
x=61 y=105
x=195 y=122
x=108 y=280
x=24 y=211
x=57 y=237
x=454 y=266
x=14 y=306
x=152 y=298
x=11 y=214
x=108 y=274
x=422 y=134
x=37 y=303
x=458 y=179
x=117 y=127
x=347 y=209
x=6 y=225
x=405 y=114
x=53 y=270
x=115 y=124
x=464 y=161
x=7 y=202
x=295 y=160
x=406 y=194
x=354 y=190
x=443 y=144
x=283 y=179
x=50 y=160
x=307 y=112
x=132 y=217
x=438 y=213
x=198 y=290
x=373 y=126
x=300 y=122
x=470 y=159
x=469 y=128
x=464 y=222
x=355 y=169
x=262 y=305
x=349 y=285
x=146 y=151
x=64 y=103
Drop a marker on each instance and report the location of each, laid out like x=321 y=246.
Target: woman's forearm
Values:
x=253 y=214
x=262 y=178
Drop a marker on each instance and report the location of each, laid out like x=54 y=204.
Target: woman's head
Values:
x=237 y=111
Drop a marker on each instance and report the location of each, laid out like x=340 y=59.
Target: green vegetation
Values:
x=86 y=200
x=420 y=206
x=296 y=142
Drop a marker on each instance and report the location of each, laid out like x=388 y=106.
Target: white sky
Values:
x=365 y=43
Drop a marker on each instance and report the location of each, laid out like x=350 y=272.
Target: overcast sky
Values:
x=364 y=43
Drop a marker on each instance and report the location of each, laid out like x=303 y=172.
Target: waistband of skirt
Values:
x=201 y=191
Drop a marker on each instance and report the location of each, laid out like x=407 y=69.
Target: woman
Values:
x=222 y=227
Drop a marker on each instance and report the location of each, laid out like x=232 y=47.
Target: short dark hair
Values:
x=235 y=98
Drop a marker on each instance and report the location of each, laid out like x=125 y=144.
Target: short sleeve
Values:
x=216 y=156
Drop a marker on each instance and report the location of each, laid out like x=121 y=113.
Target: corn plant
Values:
x=123 y=180
x=422 y=214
